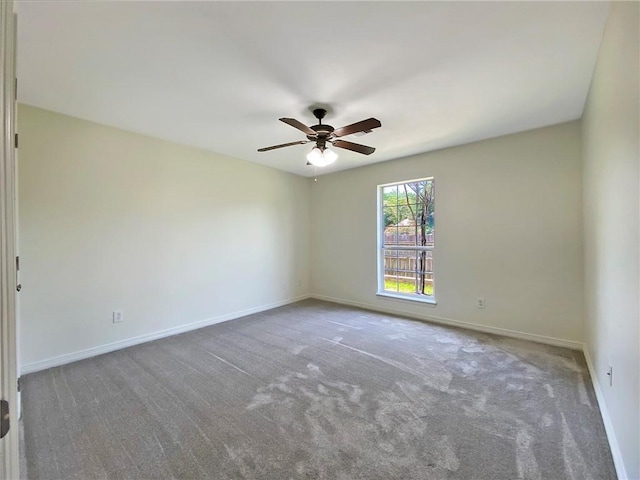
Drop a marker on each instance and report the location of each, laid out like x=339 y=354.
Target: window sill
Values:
x=397 y=296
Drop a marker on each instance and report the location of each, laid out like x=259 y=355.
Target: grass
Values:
x=404 y=287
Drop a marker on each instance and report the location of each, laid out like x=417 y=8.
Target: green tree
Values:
x=396 y=206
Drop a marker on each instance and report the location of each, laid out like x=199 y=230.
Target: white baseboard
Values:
x=129 y=342
x=606 y=419
x=558 y=342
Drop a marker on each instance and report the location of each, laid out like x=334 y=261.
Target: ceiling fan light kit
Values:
x=321 y=158
x=321 y=134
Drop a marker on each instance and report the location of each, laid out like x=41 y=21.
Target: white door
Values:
x=8 y=272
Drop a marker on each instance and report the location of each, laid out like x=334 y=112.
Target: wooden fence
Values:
x=404 y=264
x=405 y=239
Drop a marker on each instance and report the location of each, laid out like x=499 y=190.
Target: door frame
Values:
x=9 y=458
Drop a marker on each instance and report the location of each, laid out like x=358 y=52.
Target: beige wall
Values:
x=508 y=228
x=170 y=235
x=611 y=131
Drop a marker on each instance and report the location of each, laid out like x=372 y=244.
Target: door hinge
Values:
x=19 y=285
x=16 y=141
x=4 y=418
x=19 y=384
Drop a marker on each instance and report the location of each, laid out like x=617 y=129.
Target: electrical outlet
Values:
x=610 y=375
x=117 y=316
x=480 y=302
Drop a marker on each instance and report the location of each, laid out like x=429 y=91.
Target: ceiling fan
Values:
x=323 y=134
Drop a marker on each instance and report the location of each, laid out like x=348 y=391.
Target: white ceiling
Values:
x=218 y=75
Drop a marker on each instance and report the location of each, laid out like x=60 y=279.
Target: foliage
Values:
x=409 y=204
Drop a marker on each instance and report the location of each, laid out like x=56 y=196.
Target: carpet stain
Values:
x=582 y=392
x=525 y=457
x=445 y=454
x=397 y=336
x=573 y=459
x=549 y=390
x=297 y=350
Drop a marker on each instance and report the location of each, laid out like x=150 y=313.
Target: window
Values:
x=406 y=239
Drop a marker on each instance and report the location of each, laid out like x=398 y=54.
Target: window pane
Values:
x=390 y=215
x=390 y=237
x=390 y=283
x=389 y=190
x=390 y=261
x=406 y=217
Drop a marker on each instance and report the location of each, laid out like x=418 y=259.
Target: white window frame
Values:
x=428 y=299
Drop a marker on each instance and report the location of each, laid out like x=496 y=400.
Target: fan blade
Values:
x=299 y=125
x=266 y=149
x=356 y=147
x=362 y=126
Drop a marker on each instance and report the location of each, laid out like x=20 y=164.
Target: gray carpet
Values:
x=319 y=391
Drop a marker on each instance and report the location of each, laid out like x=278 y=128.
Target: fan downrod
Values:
x=319 y=113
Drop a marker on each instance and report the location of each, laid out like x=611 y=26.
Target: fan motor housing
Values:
x=322 y=130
